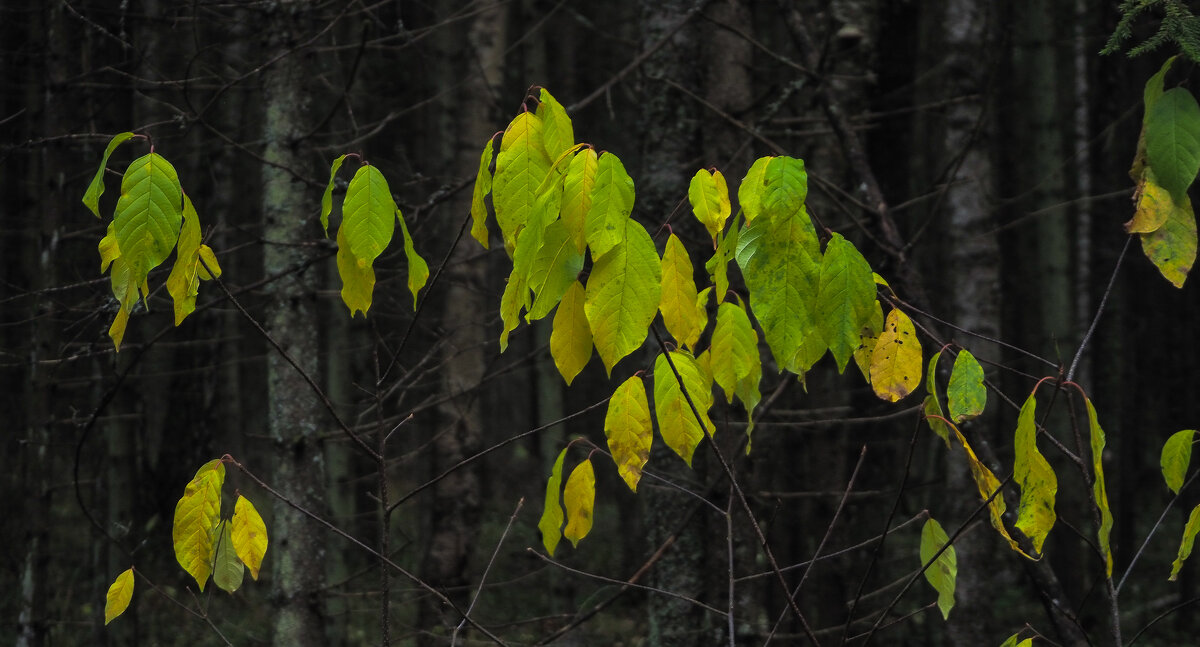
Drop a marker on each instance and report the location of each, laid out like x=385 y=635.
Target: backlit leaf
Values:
x=943 y=573
x=358 y=281
x=1176 y=457
x=785 y=187
x=680 y=312
x=228 y=570
x=896 y=360
x=516 y=293
x=709 y=196
x=751 y=189
x=555 y=268
x=196 y=516
x=1173 y=140
x=748 y=394
x=368 y=215
x=183 y=284
x=629 y=430
x=483 y=186
x=966 y=396
x=577 y=195
x=1099 y=490
x=932 y=408
x=612 y=202
x=149 y=214
x=571 y=338
x=1033 y=475
x=249 y=535
x=327 y=196
x=118 y=596
x=734 y=348
x=718 y=264
x=521 y=165
x=676 y=421
x=418 y=269
x=557 y=133
x=845 y=298
x=1186 y=543
x=1172 y=247
x=91 y=197
x=552 y=513
x=622 y=294
x=579 y=497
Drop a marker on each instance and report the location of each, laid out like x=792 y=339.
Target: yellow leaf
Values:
x=987 y=484
x=1153 y=206
x=571 y=339
x=557 y=133
x=577 y=195
x=896 y=360
x=1036 y=479
x=516 y=292
x=709 y=196
x=676 y=420
x=358 y=279
x=1099 y=491
x=680 y=312
x=868 y=337
x=1185 y=544
x=521 y=165
x=734 y=348
x=119 y=595
x=483 y=186
x=579 y=496
x=183 y=284
x=622 y=294
x=249 y=535
x=196 y=516
x=1172 y=247
x=552 y=513
x=628 y=429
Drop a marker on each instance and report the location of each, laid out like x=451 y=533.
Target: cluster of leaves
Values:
x=205 y=544
x=1177 y=26
x=152 y=217
x=1166 y=163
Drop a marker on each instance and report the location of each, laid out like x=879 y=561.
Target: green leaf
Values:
x=628 y=429
x=845 y=298
x=1099 y=491
x=327 y=197
x=785 y=187
x=149 y=214
x=622 y=295
x=1154 y=87
x=709 y=196
x=483 y=186
x=748 y=394
x=183 y=284
x=521 y=166
x=571 y=338
x=1036 y=479
x=227 y=568
x=552 y=513
x=516 y=294
x=676 y=421
x=1153 y=206
x=91 y=197
x=116 y=601
x=196 y=516
x=555 y=267
x=1011 y=641
x=1173 y=141
x=966 y=396
x=681 y=314
x=718 y=264
x=734 y=348
x=896 y=360
x=418 y=269
x=532 y=234
x=612 y=202
x=577 y=195
x=932 y=409
x=368 y=215
x=358 y=279
x=579 y=497
x=1176 y=457
x=751 y=189
x=1185 y=544
x=780 y=261
x=557 y=132
x=249 y=535
x=1172 y=247
x=942 y=574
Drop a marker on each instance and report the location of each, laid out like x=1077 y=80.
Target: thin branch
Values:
x=486 y=570
x=1087 y=337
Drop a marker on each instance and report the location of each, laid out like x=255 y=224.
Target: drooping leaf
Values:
x=516 y=294
x=629 y=430
x=579 y=497
x=868 y=338
x=932 y=408
x=577 y=195
x=943 y=573
x=896 y=360
x=1172 y=247
x=987 y=484
x=228 y=570
x=1186 y=543
x=555 y=268
x=532 y=233
x=1176 y=457
x=751 y=189
x=118 y=596
x=91 y=197
x=418 y=269
x=612 y=202
x=677 y=422
x=622 y=294
x=368 y=215
x=571 y=338
x=183 y=284
x=966 y=395
x=521 y=165
x=557 y=133
x=483 y=186
x=358 y=281
x=1153 y=206
x=718 y=264
x=1099 y=490
x=1033 y=475
x=552 y=513
x=327 y=196
x=249 y=535
x=785 y=187
x=734 y=348
x=149 y=214
x=709 y=196
x=196 y=516
x=748 y=394
x=1173 y=141
x=680 y=312
x=845 y=298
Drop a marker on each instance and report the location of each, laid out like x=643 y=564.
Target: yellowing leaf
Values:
x=1185 y=545
x=249 y=535
x=868 y=337
x=555 y=267
x=709 y=196
x=680 y=312
x=119 y=595
x=1176 y=456
x=932 y=409
x=1011 y=641
x=966 y=396
x=845 y=298
x=734 y=348
x=676 y=420
x=483 y=186
x=785 y=187
x=327 y=197
x=368 y=214
x=1099 y=491
x=358 y=280
x=577 y=195
x=183 y=284
x=751 y=189
x=516 y=292
x=196 y=516
x=622 y=294
x=1172 y=247
x=91 y=197
x=1036 y=479
x=571 y=338
x=628 y=429
x=718 y=264
x=612 y=202
x=987 y=484
x=227 y=568
x=943 y=573
x=1153 y=206
x=418 y=269
x=521 y=166
x=552 y=513
x=557 y=132
x=896 y=360
x=579 y=497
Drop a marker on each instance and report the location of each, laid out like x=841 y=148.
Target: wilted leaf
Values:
x=119 y=595
x=1176 y=457
x=932 y=408
x=1185 y=544
x=579 y=497
x=628 y=429
x=1172 y=247
x=227 y=568
x=249 y=535
x=1034 y=476
x=552 y=513
x=183 y=284
x=1153 y=206
x=987 y=484
x=943 y=573
x=966 y=395
x=418 y=270
x=896 y=360
x=1099 y=490
x=868 y=338
x=1173 y=140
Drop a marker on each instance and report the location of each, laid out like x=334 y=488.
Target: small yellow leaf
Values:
x=358 y=283
x=183 y=284
x=628 y=429
x=896 y=360
x=680 y=312
x=1153 y=206
x=579 y=496
x=249 y=535
x=987 y=484
x=196 y=516
x=1099 y=490
x=571 y=339
x=676 y=420
x=552 y=513
x=1035 y=477
x=119 y=595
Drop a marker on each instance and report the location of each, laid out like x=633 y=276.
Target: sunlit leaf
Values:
x=418 y=269
x=612 y=202
x=552 y=513
x=681 y=314
x=845 y=298
x=709 y=197
x=521 y=165
x=119 y=595
x=579 y=497
x=751 y=188
x=966 y=395
x=327 y=196
x=629 y=430
x=623 y=294
x=196 y=516
x=943 y=573
x=896 y=360
x=1099 y=490
x=1173 y=140
x=483 y=186
x=677 y=421
x=91 y=198
x=571 y=338
x=228 y=570
x=1186 y=543
x=557 y=133
x=249 y=535
x=1011 y=641
x=1033 y=475
x=1153 y=206
x=358 y=280
x=1176 y=457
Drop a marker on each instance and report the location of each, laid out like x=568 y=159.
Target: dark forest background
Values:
x=998 y=139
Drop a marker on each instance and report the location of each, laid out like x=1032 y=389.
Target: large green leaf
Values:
x=682 y=316
x=91 y=198
x=943 y=572
x=966 y=395
x=612 y=202
x=1099 y=490
x=368 y=215
x=785 y=187
x=1173 y=140
x=628 y=429
x=622 y=295
x=149 y=214
x=521 y=165
x=677 y=421
x=1186 y=543
x=577 y=195
x=845 y=298
x=552 y=513
x=1034 y=476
